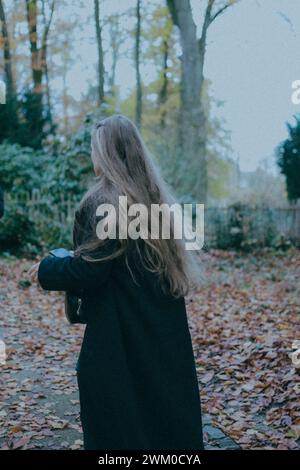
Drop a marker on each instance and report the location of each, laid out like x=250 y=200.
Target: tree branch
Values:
x=209 y=17
x=219 y=12
x=47 y=25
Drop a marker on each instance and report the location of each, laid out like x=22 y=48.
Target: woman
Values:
x=136 y=372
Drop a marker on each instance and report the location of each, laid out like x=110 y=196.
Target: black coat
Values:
x=136 y=372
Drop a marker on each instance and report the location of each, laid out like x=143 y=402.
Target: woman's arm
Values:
x=73 y=274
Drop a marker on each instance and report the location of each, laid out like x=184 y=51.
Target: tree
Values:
x=192 y=123
x=159 y=51
x=48 y=93
x=116 y=38
x=288 y=160
x=38 y=55
x=9 y=117
x=10 y=84
x=100 y=52
x=62 y=54
x=138 y=108
x=162 y=28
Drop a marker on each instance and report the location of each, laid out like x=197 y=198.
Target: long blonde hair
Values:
x=127 y=169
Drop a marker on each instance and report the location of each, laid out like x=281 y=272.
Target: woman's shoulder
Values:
x=83 y=229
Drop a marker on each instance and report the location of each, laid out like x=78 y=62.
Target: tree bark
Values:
x=138 y=110
x=36 y=62
x=101 y=72
x=192 y=125
x=38 y=57
x=192 y=128
x=11 y=98
x=45 y=63
x=115 y=43
x=163 y=94
x=10 y=84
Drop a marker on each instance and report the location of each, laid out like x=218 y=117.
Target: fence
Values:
x=61 y=210
x=224 y=227
x=52 y=214
x=235 y=226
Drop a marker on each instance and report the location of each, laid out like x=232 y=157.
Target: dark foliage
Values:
x=23 y=121
x=288 y=160
x=17 y=231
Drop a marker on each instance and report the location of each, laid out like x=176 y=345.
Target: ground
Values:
x=243 y=320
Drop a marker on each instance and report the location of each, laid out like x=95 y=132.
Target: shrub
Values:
x=38 y=187
x=240 y=227
x=17 y=232
x=22 y=168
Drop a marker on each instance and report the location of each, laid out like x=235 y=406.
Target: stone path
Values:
x=214 y=438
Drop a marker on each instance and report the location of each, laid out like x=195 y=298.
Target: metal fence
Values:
x=41 y=204
x=224 y=227
x=260 y=226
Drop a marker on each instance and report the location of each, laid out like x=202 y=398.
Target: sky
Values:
x=252 y=58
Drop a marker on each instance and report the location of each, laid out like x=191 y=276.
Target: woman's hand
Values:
x=33 y=272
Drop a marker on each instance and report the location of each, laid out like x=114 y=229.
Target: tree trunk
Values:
x=100 y=53
x=39 y=69
x=138 y=110
x=192 y=127
x=37 y=75
x=112 y=78
x=11 y=99
x=36 y=62
x=193 y=131
x=115 y=43
x=65 y=102
x=45 y=64
x=163 y=94
x=10 y=85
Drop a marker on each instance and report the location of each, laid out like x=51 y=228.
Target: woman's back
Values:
x=136 y=372
x=137 y=351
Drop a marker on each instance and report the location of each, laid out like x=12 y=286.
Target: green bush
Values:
x=17 y=232
x=47 y=179
x=22 y=168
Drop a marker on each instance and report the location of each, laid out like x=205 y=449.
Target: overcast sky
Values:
x=253 y=56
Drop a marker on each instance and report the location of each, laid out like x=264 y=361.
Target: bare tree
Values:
x=138 y=109
x=10 y=83
x=116 y=38
x=45 y=63
x=163 y=92
x=100 y=53
x=38 y=53
x=192 y=122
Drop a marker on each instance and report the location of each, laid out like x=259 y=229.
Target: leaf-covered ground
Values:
x=243 y=323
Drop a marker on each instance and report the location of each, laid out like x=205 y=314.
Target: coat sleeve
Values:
x=73 y=274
